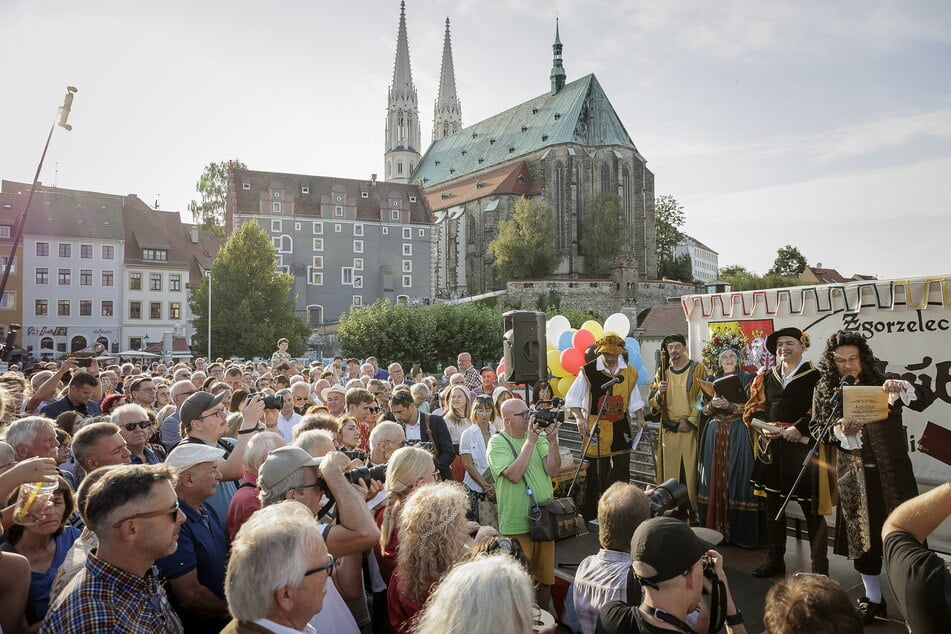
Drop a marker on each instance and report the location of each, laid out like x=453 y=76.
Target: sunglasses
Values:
x=484 y=399
x=172 y=513
x=142 y=424
x=329 y=567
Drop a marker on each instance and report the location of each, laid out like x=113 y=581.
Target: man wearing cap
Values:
x=668 y=561
x=290 y=473
x=170 y=433
x=675 y=396
x=335 y=398
x=196 y=570
x=487 y=376
x=204 y=417
x=783 y=396
x=606 y=387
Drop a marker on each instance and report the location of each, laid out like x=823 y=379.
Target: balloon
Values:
x=642 y=377
x=571 y=360
x=582 y=339
x=554 y=363
x=564 y=341
x=618 y=323
x=594 y=328
x=501 y=368
x=556 y=325
x=554 y=386
x=632 y=344
x=635 y=360
x=589 y=353
x=562 y=388
x=549 y=347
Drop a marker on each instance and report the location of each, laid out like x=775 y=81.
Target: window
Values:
x=155 y=281
x=275 y=226
x=3 y=263
x=296 y=226
x=135 y=310
x=407 y=281
x=407 y=249
x=412 y=199
x=41 y=308
x=338 y=211
x=135 y=281
x=85 y=277
x=407 y=266
x=358 y=246
x=315 y=315
x=357 y=264
x=318 y=244
x=64 y=277
x=338 y=228
x=42 y=249
x=155 y=310
x=346 y=276
x=364 y=194
x=358 y=281
x=277 y=194
x=107 y=309
x=5 y=232
x=304 y=189
x=422 y=233
x=157 y=255
x=358 y=300
x=316 y=278
x=283 y=244
x=62 y=308
x=65 y=250
x=318 y=228
x=85 y=251
x=42 y=275
x=407 y=233
x=135 y=343
x=395 y=215
x=108 y=252
x=85 y=308
x=385 y=231
x=358 y=230
x=276 y=207
x=107 y=278
x=318 y=261
x=175 y=282
x=175 y=310
x=246 y=186
x=9 y=300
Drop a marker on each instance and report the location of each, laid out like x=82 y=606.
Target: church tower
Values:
x=447 y=115
x=402 y=118
x=557 y=69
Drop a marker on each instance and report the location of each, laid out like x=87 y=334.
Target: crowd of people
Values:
x=283 y=497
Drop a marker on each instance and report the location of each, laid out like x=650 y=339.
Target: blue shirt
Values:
x=221 y=499
x=150 y=456
x=41 y=582
x=61 y=405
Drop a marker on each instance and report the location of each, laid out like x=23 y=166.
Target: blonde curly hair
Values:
x=432 y=536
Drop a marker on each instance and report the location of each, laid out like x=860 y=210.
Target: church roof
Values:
x=579 y=113
x=508 y=179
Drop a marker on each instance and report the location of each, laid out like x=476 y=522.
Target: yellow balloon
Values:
x=550 y=347
x=553 y=382
x=554 y=363
x=562 y=387
x=594 y=328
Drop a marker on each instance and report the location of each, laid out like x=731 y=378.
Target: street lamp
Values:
x=209 y=316
x=145 y=343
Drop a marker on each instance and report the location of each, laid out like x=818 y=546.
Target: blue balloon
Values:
x=642 y=377
x=635 y=360
x=632 y=344
x=564 y=341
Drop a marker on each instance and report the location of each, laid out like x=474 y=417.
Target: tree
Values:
x=209 y=214
x=790 y=262
x=742 y=279
x=604 y=234
x=251 y=302
x=678 y=267
x=668 y=219
x=525 y=246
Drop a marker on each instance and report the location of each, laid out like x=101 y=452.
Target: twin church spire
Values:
x=403 y=144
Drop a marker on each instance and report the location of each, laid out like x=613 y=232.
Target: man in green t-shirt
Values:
x=522 y=452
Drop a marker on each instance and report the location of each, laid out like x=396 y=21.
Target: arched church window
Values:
x=605 y=179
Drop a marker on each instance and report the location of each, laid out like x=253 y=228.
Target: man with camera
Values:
x=525 y=455
x=605 y=401
x=672 y=565
x=80 y=397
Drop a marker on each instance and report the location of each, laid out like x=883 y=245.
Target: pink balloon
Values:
x=501 y=367
x=581 y=340
x=571 y=360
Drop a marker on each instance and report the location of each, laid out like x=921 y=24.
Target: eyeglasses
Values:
x=172 y=514
x=142 y=424
x=524 y=414
x=315 y=485
x=484 y=399
x=218 y=412
x=186 y=394
x=374 y=410
x=329 y=567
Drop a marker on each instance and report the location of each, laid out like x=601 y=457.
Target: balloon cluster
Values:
x=569 y=349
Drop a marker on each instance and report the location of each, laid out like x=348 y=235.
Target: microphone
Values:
x=614 y=381
x=848 y=379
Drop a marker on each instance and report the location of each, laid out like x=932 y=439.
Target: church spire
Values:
x=557 y=69
x=447 y=115
x=402 y=120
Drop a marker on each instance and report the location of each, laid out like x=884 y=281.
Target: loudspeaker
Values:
x=523 y=346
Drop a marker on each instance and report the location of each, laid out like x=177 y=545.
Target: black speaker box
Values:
x=524 y=346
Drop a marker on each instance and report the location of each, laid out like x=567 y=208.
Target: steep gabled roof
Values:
x=828 y=276
x=69 y=213
x=580 y=114
x=147 y=228
x=663 y=320
x=507 y=179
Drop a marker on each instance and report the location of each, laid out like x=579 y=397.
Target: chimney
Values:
x=373 y=179
x=193 y=233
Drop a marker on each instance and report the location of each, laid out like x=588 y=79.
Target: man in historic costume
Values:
x=675 y=396
x=875 y=474
x=783 y=396
x=619 y=403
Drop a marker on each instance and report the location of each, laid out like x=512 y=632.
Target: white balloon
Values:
x=556 y=325
x=619 y=324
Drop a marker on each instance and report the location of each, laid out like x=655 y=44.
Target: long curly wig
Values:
x=432 y=536
x=830 y=381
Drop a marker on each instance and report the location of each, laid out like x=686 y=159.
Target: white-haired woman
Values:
x=491 y=594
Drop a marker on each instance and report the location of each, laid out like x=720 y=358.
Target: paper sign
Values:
x=865 y=404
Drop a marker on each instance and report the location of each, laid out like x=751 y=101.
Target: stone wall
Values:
x=598 y=295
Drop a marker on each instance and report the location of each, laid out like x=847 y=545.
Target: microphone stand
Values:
x=595 y=431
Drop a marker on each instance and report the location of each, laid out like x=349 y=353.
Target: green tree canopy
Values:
x=209 y=213
x=790 y=262
x=677 y=267
x=251 y=304
x=668 y=219
x=604 y=234
x=742 y=279
x=525 y=245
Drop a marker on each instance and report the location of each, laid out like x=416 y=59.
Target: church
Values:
x=565 y=146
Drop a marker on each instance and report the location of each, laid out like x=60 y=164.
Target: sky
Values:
x=825 y=125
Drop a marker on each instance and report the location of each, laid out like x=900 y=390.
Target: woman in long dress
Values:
x=725 y=497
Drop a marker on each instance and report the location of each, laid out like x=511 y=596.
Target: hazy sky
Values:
x=826 y=125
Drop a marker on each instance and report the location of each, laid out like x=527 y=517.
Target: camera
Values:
x=547 y=416
x=709 y=568
x=84 y=362
x=358 y=475
x=428 y=446
x=273 y=402
x=667 y=496
x=378 y=473
x=355 y=454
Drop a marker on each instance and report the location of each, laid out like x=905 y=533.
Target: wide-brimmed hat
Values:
x=774 y=336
